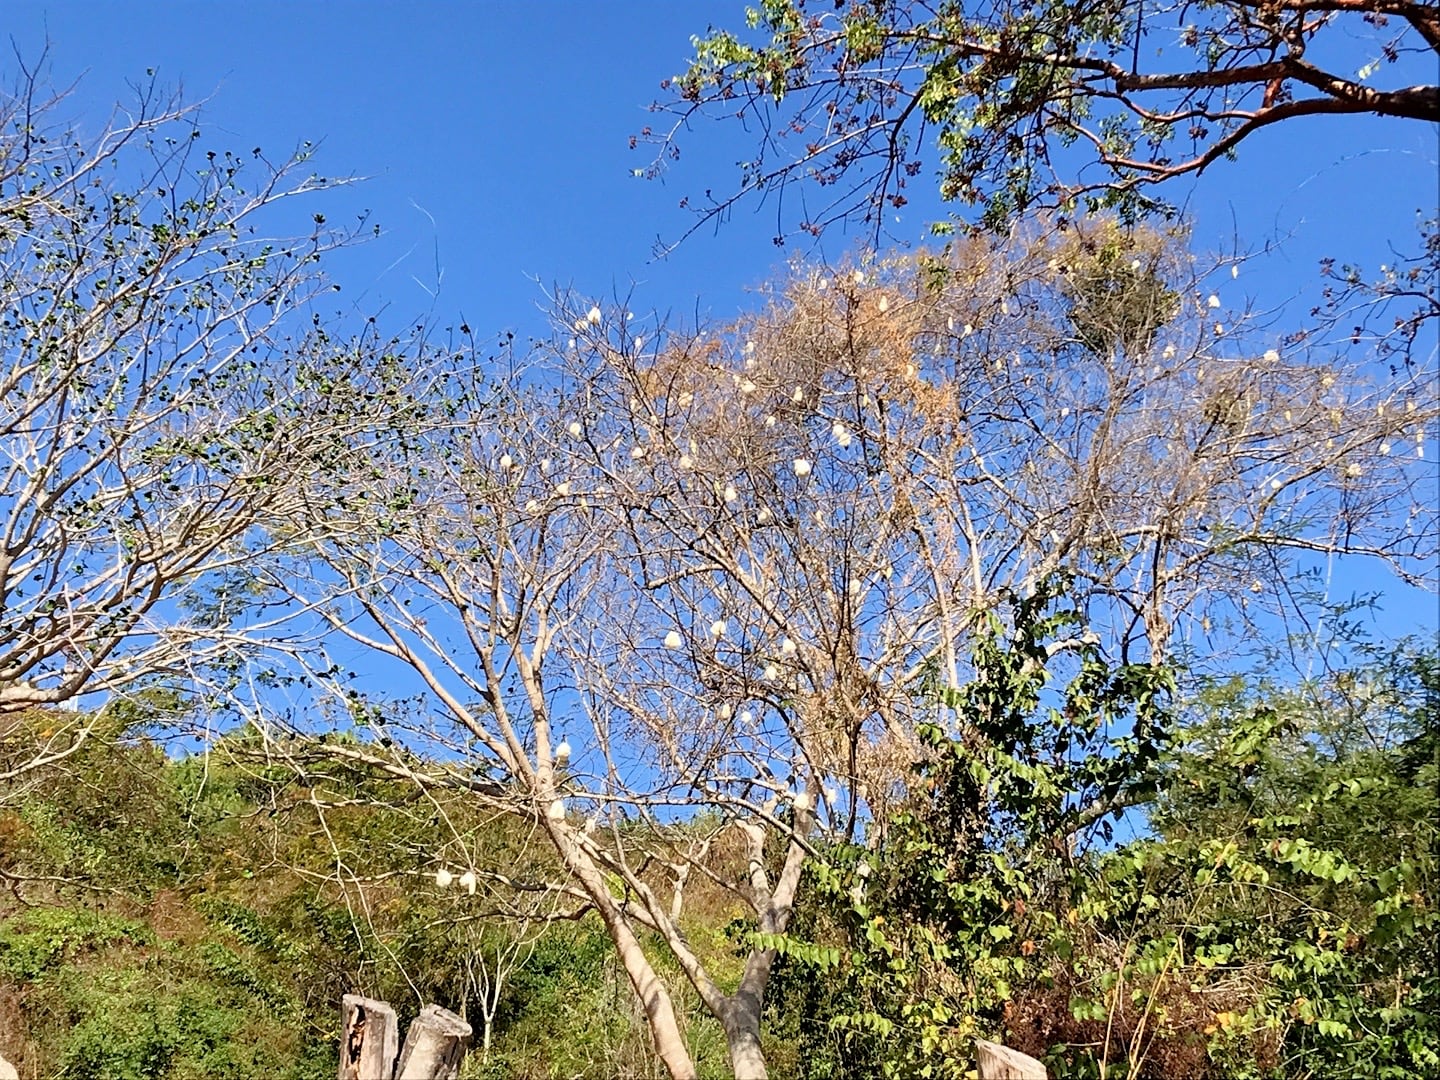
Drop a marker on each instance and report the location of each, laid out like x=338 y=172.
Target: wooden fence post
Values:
x=996 y=1062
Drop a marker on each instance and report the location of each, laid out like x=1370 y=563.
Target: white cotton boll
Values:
x=1327 y=381
x=580 y=324
x=858 y=277
x=772 y=672
x=841 y=433
x=1219 y=329
x=575 y=429
x=1235 y=270
x=770 y=421
x=802 y=801
x=1275 y=484
x=444 y=878
x=639 y=343
x=819 y=518
x=531 y=506
x=749 y=347
x=1064 y=412
x=672 y=639
x=467 y=881
x=747 y=387
x=637 y=452
x=1419 y=450
x=726 y=711
x=563 y=488
x=797 y=394
x=967 y=331
x=730 y=493
x=910 y=371
x=822 y=284
x=801 y=467
x=764 y=516
x=1213 y=301
x=853 y=586
x=1272 y=356
x=1169 y=352
x=1409 y=406
x=685 y=461
x=506 y=462
x=717 y=628
x=556 y=810
x=884 y=304
x=686 y=398
x=1353 y=471
x=746 y=717
x=1134 y=264
x=950 y=324
x=571 y=345
x=787 y=647
x=1004 y=307
x=593 y=316
x=563 y=752
x=1385 y=448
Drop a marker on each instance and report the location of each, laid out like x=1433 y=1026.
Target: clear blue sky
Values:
x=507 y=122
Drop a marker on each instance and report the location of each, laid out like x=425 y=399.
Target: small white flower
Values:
x=801 y=467
x=1004 y=307
x=1134 y=264
x=444 y=878
x=841 y=433
x=1213 y=302
x=717 y=628
x=968 y=330
x=467 y=881
x=563 y=752
x=1219 y=329
x=593 y=316
x=1256 y=586
x=672 y=639
x=571 y=345
x=787 y=647
x=1327 y=381
x=1275 y=484
x=1064 y=412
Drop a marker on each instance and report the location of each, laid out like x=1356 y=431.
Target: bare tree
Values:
x=167 y=376
x=679 y=599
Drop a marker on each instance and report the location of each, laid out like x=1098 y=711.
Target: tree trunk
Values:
x=654 y=998
x=746 y=1059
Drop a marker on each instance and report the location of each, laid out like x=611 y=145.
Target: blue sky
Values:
x=506 y=123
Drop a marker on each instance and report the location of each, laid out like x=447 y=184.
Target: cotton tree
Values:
x=166 y=376
x=679 y=599
x=1026 y=105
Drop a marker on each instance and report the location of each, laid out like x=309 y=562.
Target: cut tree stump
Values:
x=369 y=1038
x=369 y=1033
x=996 y=1062
x=434 y=1046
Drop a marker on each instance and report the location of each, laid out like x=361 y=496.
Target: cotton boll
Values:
x=801 y=467
x=746 y=717
x=787 y=647
x=685 y=462
x=593 y=316
x=797 y=394
x=764 y=516
x=770 y=421
x=771 y=672
x=802 y=801
x=1272 y=356
x=639 y=343
x=563 y=752
x=1385 y=448
x=1213 y=301
x=563 y=488
x=467 y=881
x=556 y=810
x=858 y=277
x=717 y=628
x=1169 y=352
x=726 y=711
x=841 y=433
x=883 y=304
x=575 y=429
x=505 y=462
x=637 y=452
x=531 y=506
x=443 y=878
x=730 y=493
x=1235 y=270
x=747 y=387
x=672 y=639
